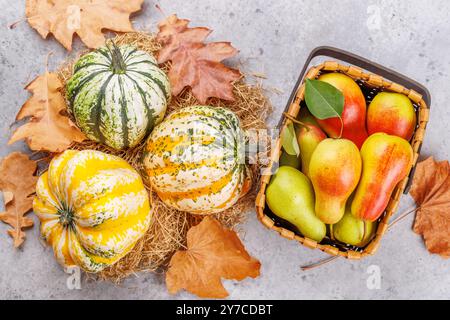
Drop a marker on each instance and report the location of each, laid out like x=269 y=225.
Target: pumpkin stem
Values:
x=65 y=216
x=118 y=65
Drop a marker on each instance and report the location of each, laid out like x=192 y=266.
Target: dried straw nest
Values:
x=167 y=233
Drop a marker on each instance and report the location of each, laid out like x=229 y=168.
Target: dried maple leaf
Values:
x=431 y=191
x=87 y=18
x=48 y=129
x=213 y=253
x=17 y=181
x=174 y=32
x=195 y=64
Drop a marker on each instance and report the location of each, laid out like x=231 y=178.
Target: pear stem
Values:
x=342 y=128
x=364 y=230
x=302 y=124
x=331 y=232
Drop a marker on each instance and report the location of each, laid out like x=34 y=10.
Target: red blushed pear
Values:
x=353 y=124
x=335 y=169
x=392 y=113
x=387 y=160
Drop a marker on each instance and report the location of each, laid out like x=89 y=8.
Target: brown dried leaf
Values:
x=431 y=191
x=17 y=181
x=213 y=253
x=177 y=31
x=48 y=129
x=194 y=63
x=87 y=18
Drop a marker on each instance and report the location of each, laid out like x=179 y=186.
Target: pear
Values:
x=353 y=118
x=387 y=160
x=335 y=169
x=308 y=136
x=353 y=231
x=290 y=196
x=392 y=113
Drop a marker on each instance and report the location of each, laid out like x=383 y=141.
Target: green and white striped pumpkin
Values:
x=117 y=95
x=195 y=160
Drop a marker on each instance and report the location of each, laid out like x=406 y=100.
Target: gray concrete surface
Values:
x=274 y=37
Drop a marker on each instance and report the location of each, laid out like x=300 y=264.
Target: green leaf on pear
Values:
x=323 y=100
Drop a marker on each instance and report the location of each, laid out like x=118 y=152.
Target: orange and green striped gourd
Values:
x=93 y=208
x=195 y=160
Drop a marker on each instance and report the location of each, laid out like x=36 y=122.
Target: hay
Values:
x=167 y=233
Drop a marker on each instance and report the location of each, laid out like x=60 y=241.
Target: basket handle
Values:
x=370 y=66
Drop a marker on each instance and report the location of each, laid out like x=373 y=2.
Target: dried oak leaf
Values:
x=431 y=191
x=195 y=64
x=17 y=182
x=87 y=18
x=213 y=253
x=48 y=129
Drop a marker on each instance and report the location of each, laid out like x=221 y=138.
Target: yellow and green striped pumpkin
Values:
x=93 y=208
x=117 y=95
x=195 y=160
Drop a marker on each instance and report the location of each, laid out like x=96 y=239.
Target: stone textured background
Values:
x=274 y=37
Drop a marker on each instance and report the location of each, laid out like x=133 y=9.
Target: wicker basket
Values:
x=380 y=78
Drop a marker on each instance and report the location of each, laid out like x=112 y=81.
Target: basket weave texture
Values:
x=369 y=81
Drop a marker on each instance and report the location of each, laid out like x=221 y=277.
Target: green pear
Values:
x=290 y=196
x=352 y=230
x=289 y=160
x=308 y=136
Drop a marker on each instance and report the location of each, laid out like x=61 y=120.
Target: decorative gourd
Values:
x=93 y=208
x=117 y=95
x=195 y=160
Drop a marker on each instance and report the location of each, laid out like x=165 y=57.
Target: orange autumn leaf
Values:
x=48 y=128
x=87 y=18
x=213 y=253
x=17 y=182
x=431 y=191
x=195 y=64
